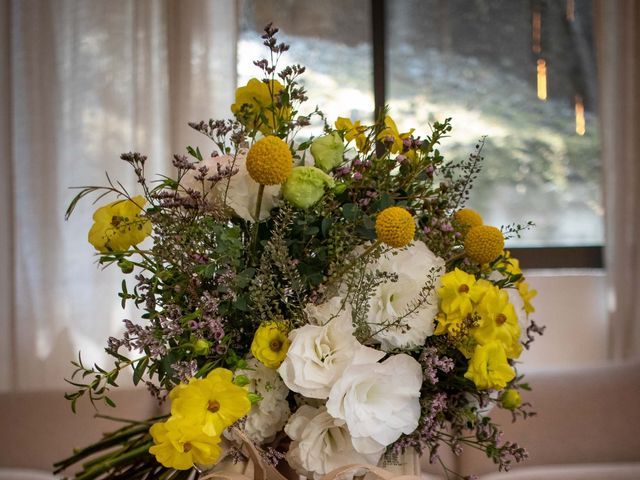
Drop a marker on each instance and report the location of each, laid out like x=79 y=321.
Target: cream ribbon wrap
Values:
x=257 y=469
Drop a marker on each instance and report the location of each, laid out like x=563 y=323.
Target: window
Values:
x=521 y=73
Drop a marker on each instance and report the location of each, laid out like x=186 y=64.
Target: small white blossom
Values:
x=269 y=415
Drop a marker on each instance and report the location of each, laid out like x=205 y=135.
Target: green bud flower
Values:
x=327 y=151
x=241 y=380
x=125 y=265
x=305 y=186
x=201 y=347
x=511 y=399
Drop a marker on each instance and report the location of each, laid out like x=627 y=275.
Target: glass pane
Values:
x=332 y=39
x=522 y=73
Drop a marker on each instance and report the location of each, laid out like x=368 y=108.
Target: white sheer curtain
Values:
x=82 y=81
x=619 y=78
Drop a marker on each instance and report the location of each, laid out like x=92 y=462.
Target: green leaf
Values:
x=241 y=303
x=141 y=367
x=325 y=226
x=350 y=212
x=195 y=153
x=383 y=202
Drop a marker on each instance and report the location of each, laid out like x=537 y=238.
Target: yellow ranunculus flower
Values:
x=180 y=445
x=214 y=402
x=353 y=131
x=489 y=368
x=270 y=344
x=498 y=321
x=510 y=264
x=118 y=225
x=260 y=111
x=527 y=295
x=392 y=131
x=460 y=292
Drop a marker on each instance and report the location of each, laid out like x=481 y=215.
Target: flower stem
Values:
x=256 y=217
x=340 y=273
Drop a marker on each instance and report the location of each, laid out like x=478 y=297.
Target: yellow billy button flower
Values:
x=269 y=161
x=483 y=243
x=498 y=321
x=271 y=344
x=489 y=368
x=181 y=445
x=510 y=399
x=118 y=225
x=254 y=105
x=214 y=402
x=395 y=227
x=467 y=218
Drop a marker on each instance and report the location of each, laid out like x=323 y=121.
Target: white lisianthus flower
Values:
x=318 y=355
x=321 y=443
x=414 y=267
x=269 y=415
x=378 y=402
x=239 y=192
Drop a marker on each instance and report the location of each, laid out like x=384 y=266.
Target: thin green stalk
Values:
x=256 y=217
x=109 y=464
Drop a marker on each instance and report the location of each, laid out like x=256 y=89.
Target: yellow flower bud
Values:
x=511 y=399
x=201 y=347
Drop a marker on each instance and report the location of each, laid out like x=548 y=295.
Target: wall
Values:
x=572 y=305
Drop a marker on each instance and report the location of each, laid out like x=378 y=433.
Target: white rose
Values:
x=318 y=355
x=239 y=192
x=321 y=443
x=378 y=402
x=414 y=267
x=269 y=415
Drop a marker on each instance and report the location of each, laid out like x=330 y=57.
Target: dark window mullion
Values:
x=378 y=33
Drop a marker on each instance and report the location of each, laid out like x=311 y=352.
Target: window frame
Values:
x=550 y=257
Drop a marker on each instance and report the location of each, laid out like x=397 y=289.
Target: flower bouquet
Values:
x=321 y=300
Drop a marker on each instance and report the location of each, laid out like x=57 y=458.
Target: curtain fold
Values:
x=86 y=81
x=618 y=28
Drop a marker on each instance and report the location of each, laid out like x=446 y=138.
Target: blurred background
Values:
x=551 y=86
